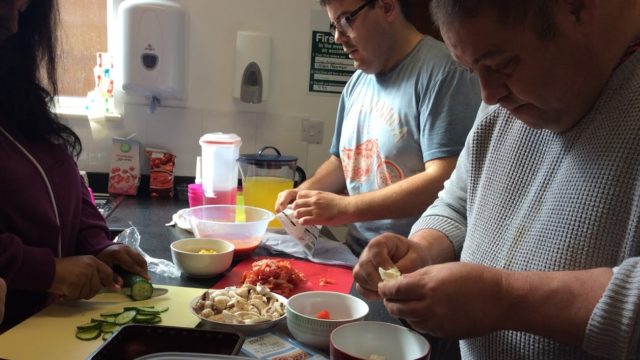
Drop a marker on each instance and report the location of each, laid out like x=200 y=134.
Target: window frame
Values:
x=75 y=105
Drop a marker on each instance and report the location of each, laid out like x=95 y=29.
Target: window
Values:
x=83 y=33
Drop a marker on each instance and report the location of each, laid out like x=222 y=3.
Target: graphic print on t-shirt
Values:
x=368 y=135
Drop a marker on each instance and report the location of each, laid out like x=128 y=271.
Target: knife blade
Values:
x=127 y=291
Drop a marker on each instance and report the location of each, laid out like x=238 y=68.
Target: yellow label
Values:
x=262 y=192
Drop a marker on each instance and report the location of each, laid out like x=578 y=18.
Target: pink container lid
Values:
x=219 y=138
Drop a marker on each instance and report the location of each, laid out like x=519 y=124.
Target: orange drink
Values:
x=262 y=192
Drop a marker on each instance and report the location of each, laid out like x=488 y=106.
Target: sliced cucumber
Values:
x=93 y=325
x=162 y=309
x=110 y=319
x=89 y=334
x=148 y=312
x=109 y=327
x=141 y=288
x=142 y=318
x=125 y=317
x=111 y=314
x=155 y=320
x=143 y=309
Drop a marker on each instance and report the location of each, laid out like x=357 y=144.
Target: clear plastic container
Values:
x=265 y=175
x=220 y=154
x=243 y=226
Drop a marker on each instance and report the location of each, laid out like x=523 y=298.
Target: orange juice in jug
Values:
x=262 y=192
x=265 y=175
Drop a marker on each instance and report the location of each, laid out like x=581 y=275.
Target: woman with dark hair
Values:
x=54 y=244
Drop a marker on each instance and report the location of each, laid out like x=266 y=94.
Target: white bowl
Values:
x=186 y=257
x=359 y=341
x=245 y=329
x=243 y=226
x=309 y=330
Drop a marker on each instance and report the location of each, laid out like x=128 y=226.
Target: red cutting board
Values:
x=340 y=277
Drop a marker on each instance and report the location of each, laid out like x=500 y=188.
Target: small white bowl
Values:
x=308 y=329
x=186 y=257
x=362 y=340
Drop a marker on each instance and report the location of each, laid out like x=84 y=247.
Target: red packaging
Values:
x=161 y=164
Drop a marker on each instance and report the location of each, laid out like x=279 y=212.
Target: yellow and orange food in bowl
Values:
x=202 y=257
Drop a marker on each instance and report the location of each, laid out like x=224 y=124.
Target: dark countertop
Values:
x=149 y=216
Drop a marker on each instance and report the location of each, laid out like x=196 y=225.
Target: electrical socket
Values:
x=312 y=131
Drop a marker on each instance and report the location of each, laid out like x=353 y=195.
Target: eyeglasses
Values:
x=344 y=22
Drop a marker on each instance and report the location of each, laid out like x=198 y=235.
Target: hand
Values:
x=125 y=257
x=3 y=293
x=285 y=198
x=321 y=208
x=81 y=277
x=452 y=300
x=385 y=251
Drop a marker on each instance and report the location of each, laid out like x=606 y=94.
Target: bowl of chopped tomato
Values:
x=312 y=315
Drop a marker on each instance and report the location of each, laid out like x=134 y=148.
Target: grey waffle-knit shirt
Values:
x=524 y=199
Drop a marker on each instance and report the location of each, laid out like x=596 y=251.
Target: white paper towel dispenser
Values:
x=153 y=39
x=253 y=62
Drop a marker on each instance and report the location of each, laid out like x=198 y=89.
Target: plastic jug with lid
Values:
x=265 y=175
x=220 y=167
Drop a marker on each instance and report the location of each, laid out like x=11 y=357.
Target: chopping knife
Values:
x=127 y=291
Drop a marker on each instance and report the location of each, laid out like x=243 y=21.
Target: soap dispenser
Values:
x=253 y=60
x=153 y=40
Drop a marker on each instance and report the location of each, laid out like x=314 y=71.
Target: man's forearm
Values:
x=405 y=198
x=554 y=304
x=329 y=177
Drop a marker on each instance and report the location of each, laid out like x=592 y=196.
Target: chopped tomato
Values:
x=277 y=275
x=325 y=281
x=324 y=314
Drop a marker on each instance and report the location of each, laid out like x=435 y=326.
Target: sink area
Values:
x=107 y=203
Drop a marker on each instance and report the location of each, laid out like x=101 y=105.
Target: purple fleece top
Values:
x=28 y=229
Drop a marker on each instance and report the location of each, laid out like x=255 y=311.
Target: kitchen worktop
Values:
x=55 y=325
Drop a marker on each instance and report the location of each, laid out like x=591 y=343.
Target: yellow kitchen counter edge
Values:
x=50 y=334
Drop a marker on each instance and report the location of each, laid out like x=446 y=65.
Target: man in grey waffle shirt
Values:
x=532 y=250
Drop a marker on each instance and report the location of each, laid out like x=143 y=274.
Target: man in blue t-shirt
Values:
x=402 y=120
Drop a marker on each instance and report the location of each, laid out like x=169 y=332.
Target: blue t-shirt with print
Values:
x=389 y=125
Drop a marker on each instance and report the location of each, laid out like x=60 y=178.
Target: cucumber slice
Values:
x=162 y=309
x=143 y=310
x=111 y=313
x=143 y=318
x=148 y=312
x=110 y=319
x=88 y=334
x=109 y=327
x=155 y=320
x=141 y=288
x=125 y=317
x=93 y=325
x=106 y=336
